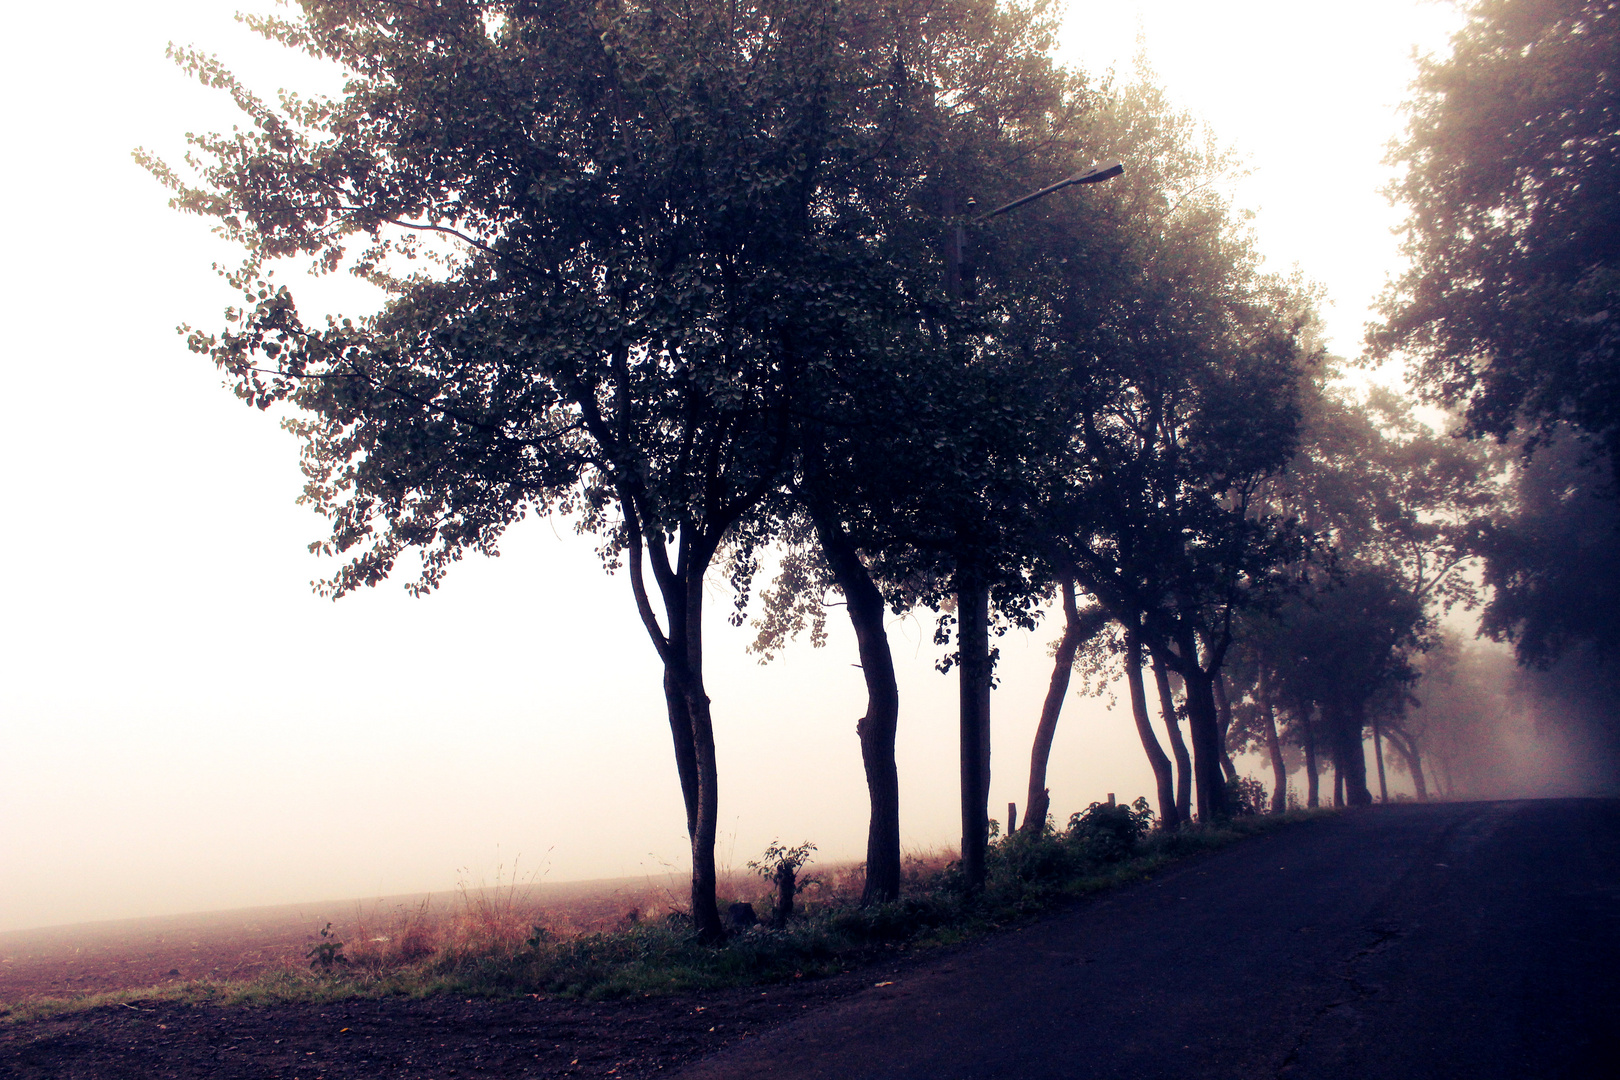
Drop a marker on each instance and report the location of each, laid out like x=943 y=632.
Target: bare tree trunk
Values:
x=1038 y=801
x=1406 y=746
x=973 y=661
x=1313 y=779
x=1378 y=754
x=1203 y=723
x=877 y=728
x=680 y=728
x=705 y=910
x=1279 y=767
x=1223 y=708
x=1178 y=747
x=1338 y=785
x=681 y=650
x=1414 y=764
x=787 y=883
x=1346 y=725
x=1169 y=813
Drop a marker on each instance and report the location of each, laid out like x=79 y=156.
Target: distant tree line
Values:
x=718 y=279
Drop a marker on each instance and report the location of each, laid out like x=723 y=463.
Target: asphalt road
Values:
x=1460 y=941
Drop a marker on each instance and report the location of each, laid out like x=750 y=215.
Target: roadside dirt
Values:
x=532 y=1037
x=428 y=1039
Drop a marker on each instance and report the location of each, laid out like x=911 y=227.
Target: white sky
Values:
x=183 y=726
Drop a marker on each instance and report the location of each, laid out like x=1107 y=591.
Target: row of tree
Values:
x=1510 y=171
x=720 y=279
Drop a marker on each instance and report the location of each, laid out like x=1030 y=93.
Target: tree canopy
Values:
x=674 y=227
x=1511 y=178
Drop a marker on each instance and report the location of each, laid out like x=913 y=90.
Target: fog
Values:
x=186 y=727
x=1494 y=730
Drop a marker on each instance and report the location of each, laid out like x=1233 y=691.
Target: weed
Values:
x=326 y=953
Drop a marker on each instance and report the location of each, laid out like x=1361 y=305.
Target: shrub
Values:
x=327 y=952
x=1107 y=833
x=1247 y=796
x=1039 y=858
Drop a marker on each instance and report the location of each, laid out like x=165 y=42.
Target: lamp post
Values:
x=1090 y=176
x=973 y=600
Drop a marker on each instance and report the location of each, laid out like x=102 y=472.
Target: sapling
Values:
x=781 y=866
x=326 y=952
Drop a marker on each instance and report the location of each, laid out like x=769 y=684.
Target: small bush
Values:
x=1107 y=833
x=326 y=953
x=1043 y=857
x=1247 y=796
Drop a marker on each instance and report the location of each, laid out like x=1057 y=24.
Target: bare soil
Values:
x=532 y=1037
x=429 y=1039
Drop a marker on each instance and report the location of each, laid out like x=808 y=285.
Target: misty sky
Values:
x=184 y=726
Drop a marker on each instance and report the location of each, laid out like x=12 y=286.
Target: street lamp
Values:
x=1091 y=176
x=973 y=605
x=953 y=252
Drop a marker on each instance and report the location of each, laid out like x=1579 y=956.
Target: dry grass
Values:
x=507 y=939
x=503 y=919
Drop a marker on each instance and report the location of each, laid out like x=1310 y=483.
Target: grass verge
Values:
x=1104 y=847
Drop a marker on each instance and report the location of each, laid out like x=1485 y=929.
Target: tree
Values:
x=907 y=465
x=1402 y=509
x=1167 y=366
x=1079 y=626
x=661 y=224
x=1348 y=649
x=1255 y=707
x=1512 y=182
x=1396 y=510
x=1174 y=788
x=1549 y=558
x=1173 y=432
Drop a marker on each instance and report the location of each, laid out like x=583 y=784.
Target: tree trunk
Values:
x=1378 y=755
x=787 y=883
x=877 y=728
x=705 y=910
x=1279 y=767
x=1406 y=746
x=1203 y=723
x=681 y=649
x=1313 y=779
x=1038 y=802
x=680 y=728
x=1349 y=755
x=973 y=662
x=1338 y=785
x=1169 y=813
x=1223 y=709
x=1178 y=747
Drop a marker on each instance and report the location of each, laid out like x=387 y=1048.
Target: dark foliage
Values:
x=1512 y=180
